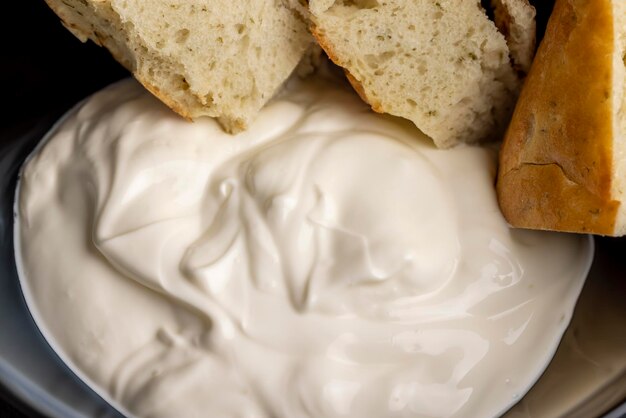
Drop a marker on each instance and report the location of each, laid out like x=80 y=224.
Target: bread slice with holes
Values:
x=217 y=58
x=563 y=161
x=515 y=19
x=441 y=64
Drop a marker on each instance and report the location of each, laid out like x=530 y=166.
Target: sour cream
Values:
x=329 y=262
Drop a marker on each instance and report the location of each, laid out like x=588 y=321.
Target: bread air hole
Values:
x=181 y=36
x=375 y=60
x=181 y=82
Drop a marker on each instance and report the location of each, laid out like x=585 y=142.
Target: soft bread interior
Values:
x=516 y=20
x=221 y=58
x=619 y=104
x=443 y=65
x=230 y=41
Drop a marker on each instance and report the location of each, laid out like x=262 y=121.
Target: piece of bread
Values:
x=563 y=161
x=441 y=64
x=215 y=58
x=516 y=20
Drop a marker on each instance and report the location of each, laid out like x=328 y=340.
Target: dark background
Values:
x=45 y=70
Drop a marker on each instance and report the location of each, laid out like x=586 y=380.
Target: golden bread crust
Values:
x=166 y=99
x=356 y=84
x=124 y=58
x=60 y=10
x=556 y=160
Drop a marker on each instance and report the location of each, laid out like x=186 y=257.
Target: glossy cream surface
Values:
x=329 y=262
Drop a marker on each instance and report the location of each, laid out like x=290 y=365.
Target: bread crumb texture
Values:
x=441 y=64
x=223 y=59
x=516 y=21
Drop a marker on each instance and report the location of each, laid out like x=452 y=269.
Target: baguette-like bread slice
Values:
x=441 y=64
x=563 y=161
x=216 y=58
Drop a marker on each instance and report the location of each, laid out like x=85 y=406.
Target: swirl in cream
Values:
x=329 y=262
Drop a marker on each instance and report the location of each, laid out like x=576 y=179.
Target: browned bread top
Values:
x=556 y=163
